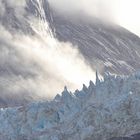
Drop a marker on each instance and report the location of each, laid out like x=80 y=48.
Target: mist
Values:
x=122 y=12
x=38 y=66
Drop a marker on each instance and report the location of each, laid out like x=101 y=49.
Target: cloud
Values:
x=97 y=8
x=2 y=9
x=122 y=12
x=126 y=13
x=34 y=67
x=17 y=5
x=38 y=67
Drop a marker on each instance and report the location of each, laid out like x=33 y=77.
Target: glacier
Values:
x=109 y=108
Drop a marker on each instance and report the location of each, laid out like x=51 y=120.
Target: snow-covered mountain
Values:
x=104 y=46
x=110 y=45
x=107 y=47
x=107 y=109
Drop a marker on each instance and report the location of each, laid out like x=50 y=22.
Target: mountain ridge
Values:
x=106 y=47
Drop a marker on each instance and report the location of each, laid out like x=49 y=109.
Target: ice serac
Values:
x=107 y=110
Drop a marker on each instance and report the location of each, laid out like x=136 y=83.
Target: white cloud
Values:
x=39 y=66
x=18 y=6
x=127 y=14
x=2 y=8
x=16 y=3
x=122 y=12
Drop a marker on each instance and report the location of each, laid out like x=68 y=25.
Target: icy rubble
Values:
x=109 y=108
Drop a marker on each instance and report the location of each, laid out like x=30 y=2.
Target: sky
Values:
x=122 y=12
x=128 y=14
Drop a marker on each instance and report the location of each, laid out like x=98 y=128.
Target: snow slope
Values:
x=110 y=46
x=109 y=108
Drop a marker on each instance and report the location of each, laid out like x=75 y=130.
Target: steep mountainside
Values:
x=110 y=46
x=104 y=45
